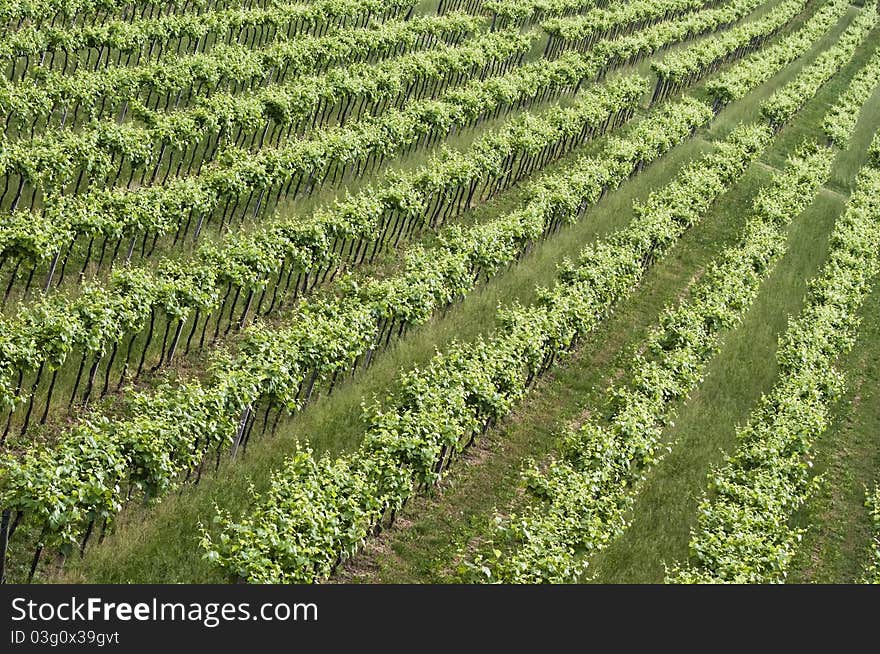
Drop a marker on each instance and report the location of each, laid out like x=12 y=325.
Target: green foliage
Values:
x=521 y=13
x=104 y=313
x=237 y=172
x=171 y=430
x=874 y=151
x=213 y=71
x=319 y=511
x=130 y=36
x=602 y=21
x=656 y=37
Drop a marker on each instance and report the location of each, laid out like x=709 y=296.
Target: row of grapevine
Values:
x=735 y=83
x=238 y=378
x=872 y=570
x=147 y=40
x=744 y=532
x=179 y=133
x=786 y=101
x=451 y=181
x=580 y=500
x=69 y=100
x=235 y=265
x=630 y=49
x=577 y=514
x=241 y=265
x=840 y=123
x=172 y=430
x=278 y=516
x=15 y=13
x=683 y=68
x=111 y=218
x=254 y=266
x=583 y=32
x=521 y=13
x=434 y=414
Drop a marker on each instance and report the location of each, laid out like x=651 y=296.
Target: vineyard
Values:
x=440 y=291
